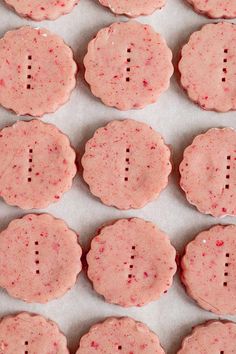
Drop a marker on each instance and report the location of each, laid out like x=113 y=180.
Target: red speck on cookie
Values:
x=219 y=243
x=94 y=345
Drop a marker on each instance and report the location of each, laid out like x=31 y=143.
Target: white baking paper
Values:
x=174 y=116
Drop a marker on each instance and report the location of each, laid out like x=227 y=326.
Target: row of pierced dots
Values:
x=226 y=270
x=127 y=162
x=28 y=86
x=128 y=68
x=228 y=168
x=131 y=266
x=30 y=164
x=36 y=253
x=26 y=344
x=224 y=68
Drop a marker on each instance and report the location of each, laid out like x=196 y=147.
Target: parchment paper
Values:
x=178 y=119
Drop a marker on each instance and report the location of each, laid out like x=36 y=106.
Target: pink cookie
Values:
x=133 y=8
x=126 y=164
x=208 y=67
x=39 y=258
x=27 y=333
x=211 y=337
x=209 y=269
x=43 y=9
x=120 y=335
x=208 y=172
x=37 y=73
x=128 y=65
x=37 y=164
x=215 y=8
x=138 y=256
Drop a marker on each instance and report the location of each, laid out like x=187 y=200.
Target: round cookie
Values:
x=208 y=172
x=38 y=74
x=126 y=164
x=138 y=256
x=39 y=258
x=28 y=333
x=37 y=164
x=128 y=65
x=215 y=8
x=133 y=8
x=211 y=337
x=211 y=53
x=209 y=269
x=120 y=335
x=43 y=9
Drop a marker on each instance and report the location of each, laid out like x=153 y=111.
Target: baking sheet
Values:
x=174 y=116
